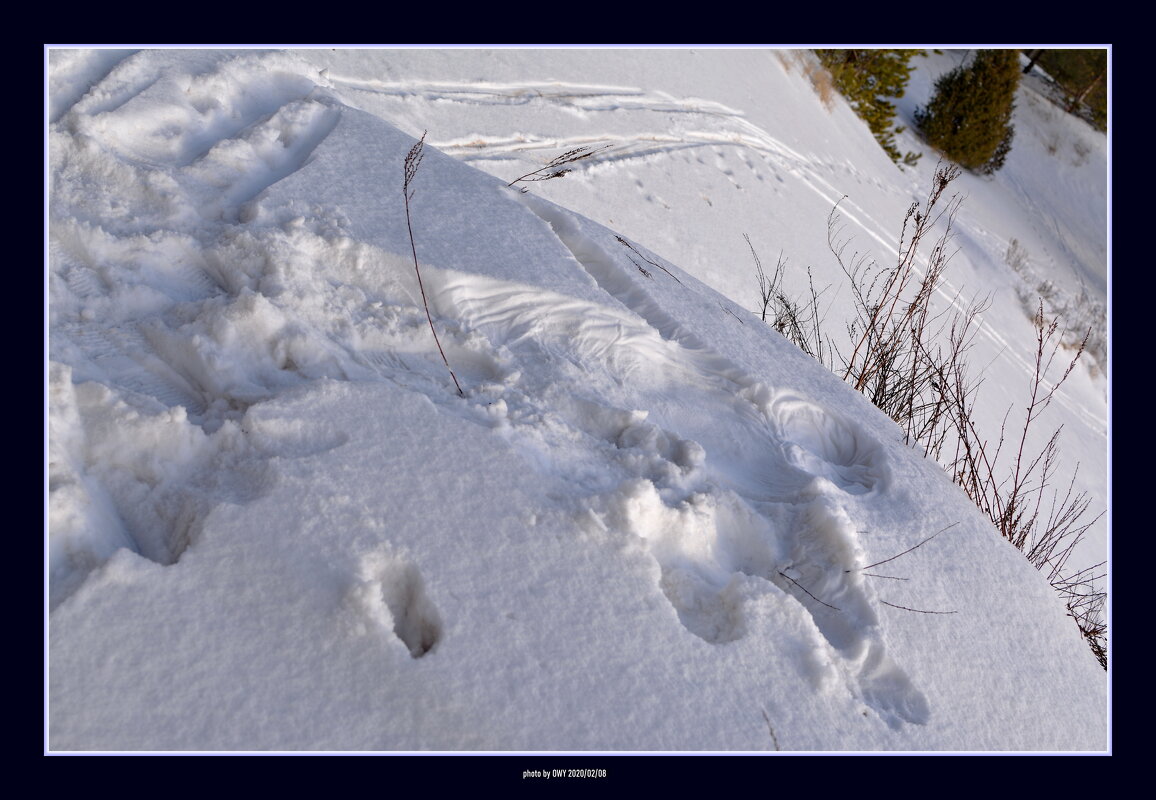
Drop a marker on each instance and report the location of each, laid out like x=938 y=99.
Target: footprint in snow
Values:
x=821 y=443
x=392 y=595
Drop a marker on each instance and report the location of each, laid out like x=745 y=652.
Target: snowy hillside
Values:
x=648 y=522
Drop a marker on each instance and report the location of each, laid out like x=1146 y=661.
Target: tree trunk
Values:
x=1033 y=57
x=1080 y=98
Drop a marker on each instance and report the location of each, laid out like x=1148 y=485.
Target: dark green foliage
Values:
x=1083 y=77
x=969 y=116
x=867 y=78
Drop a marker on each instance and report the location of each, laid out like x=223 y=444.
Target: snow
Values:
x=650 y=523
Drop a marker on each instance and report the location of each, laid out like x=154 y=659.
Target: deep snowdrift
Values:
x=650 y=524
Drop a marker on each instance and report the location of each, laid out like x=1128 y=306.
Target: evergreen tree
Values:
x=1082 y=74
x=867 y=78
x=969 y=116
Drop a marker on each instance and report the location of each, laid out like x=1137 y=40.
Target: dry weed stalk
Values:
x=557 y=166
x=412 y=162
x=650 y=261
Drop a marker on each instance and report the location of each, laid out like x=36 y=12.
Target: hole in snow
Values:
x=400 y=591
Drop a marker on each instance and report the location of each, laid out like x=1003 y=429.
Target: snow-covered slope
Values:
x=650 y=523
x=709 y=145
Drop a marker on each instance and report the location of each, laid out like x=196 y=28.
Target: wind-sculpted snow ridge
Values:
x=664 y=124
x=242 y=370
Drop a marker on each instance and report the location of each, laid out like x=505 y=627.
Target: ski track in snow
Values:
x=729 y=513
x=578 y=96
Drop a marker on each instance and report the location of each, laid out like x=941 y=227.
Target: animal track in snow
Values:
x=704 y=544
x=74 y=73
x=391 y=592
x=125 y=471
x=819 y=442
x=240 y=168
x=815 y=441
x=824 y=554
x=769 y=516
x=717 y=553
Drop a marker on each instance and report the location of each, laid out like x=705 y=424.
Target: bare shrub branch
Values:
x=912 y=363
x=1015 y=499
x=893 y=360
x=799 y=321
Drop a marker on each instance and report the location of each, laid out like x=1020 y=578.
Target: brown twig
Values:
x=804 y=588
x=916 y=610
x=625 y=243
x=905 y=552
x=770 y=728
